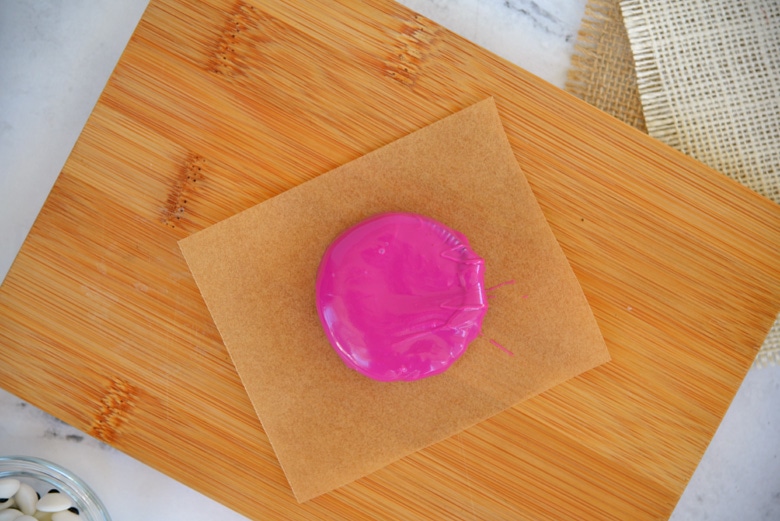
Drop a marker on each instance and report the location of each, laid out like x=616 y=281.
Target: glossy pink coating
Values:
x=400 y=296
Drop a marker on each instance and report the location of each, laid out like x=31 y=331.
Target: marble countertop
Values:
x=55 y=59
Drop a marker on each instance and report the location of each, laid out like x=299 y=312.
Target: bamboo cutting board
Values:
x=216 y=106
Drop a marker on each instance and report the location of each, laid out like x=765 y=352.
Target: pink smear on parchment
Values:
x=502 y=348
x=400 y=296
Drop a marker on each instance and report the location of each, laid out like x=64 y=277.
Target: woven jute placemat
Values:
x=602 y=67
x=702 y=76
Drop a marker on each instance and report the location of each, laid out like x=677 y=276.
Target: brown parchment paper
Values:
x=330 y=425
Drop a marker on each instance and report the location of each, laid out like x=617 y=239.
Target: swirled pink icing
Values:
x=400 y=296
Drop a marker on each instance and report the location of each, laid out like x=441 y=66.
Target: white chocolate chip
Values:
x=26 y=499
x=10 y=514
x=54 y=502
x=65 y=516
x=8 y=503
x=8 y=487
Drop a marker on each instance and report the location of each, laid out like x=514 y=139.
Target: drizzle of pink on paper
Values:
x=499 y=285
x=400 y=296
x=502 y=348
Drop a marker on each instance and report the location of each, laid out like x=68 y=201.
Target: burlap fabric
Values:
x=702 y=76
x=602 y=70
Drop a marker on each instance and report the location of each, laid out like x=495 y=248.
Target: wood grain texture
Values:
x=216 y=106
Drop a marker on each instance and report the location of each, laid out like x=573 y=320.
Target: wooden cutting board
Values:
x=216 y=106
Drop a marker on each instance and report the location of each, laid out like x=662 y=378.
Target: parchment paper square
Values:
x=330 y=425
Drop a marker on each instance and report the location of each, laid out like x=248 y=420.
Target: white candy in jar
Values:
x=8 y=487
x=28 y=505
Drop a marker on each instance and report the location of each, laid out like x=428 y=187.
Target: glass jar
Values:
x=43 y=476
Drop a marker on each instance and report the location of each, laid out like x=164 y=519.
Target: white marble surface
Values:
x=55 y=57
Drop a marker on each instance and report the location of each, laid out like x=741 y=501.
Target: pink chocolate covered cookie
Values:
x=400 y=296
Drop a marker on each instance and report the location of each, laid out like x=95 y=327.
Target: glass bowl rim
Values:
x=30 y=465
